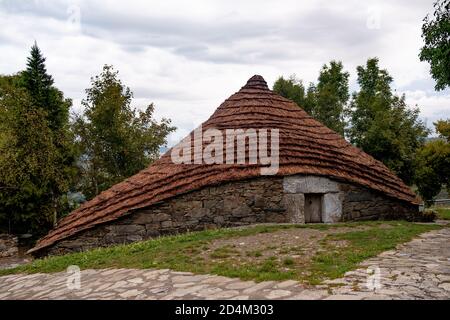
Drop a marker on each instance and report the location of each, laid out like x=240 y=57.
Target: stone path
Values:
x=419 y=269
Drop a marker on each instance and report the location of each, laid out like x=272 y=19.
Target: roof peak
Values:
x=256 y=82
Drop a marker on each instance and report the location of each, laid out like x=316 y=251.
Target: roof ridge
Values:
x=256 y=82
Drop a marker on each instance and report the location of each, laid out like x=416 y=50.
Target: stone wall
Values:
x=262 y=200
x=231 y=204
x=9 y=246
x=332 y=195
x=363 y=204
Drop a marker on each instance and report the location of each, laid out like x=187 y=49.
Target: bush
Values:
x=427 y=215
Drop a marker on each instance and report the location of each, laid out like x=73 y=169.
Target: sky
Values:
x=187 y=57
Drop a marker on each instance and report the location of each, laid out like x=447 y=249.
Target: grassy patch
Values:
x=173 y=252
x=361 y=245
x=443 y=213
x=223 y=252
x=339 y=252
x=288 y=261
x=255 y=253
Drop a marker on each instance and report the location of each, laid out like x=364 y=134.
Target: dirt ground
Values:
x=296 y=244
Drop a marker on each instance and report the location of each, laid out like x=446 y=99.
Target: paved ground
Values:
x=12 y=262
x=419 y=269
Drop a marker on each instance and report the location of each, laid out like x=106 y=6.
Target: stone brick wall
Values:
x=363 y=204
x=227 y=205
x=262 y=200
x=9 y=246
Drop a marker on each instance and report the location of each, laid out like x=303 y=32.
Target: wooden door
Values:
x=313 y=208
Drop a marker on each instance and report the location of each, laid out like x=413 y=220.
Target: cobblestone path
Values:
x=419 y=269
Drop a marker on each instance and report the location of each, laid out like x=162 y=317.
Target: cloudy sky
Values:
x=189 y=56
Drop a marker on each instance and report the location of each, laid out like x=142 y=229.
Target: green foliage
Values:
x=433 y=164
x=443 y=213
x=27 y=163
x=114 y=140
x=42 y=92
x=326 y=101
x=436 y=49
x=294 y=90
x=382 y=124
x=443 y=129
x=37 y=158
x=332 y=96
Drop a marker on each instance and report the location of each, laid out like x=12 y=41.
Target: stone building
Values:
x=321 y=178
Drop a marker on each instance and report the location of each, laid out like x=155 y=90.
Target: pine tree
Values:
x=42 y=92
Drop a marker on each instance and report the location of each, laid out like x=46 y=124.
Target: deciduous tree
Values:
x=433 y=163
x=29 y=170
x=331 y=96
x=436 y=49
x=382 y=124
x=35 y=132
x=115 y=140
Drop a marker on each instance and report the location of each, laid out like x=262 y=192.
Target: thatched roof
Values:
x=306 y=147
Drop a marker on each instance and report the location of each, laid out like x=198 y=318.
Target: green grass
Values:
x=288 y=261
x=334 y=262
x=255 y=253
x=164 y=252
x=185 y=252
x=443 y=213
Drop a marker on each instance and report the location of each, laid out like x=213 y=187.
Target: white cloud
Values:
x=187 y=57
x=432 y=107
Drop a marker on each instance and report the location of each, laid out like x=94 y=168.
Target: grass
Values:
x=334 y=262
x=288 y=261
x=185 y=253
x=255 y=253
x=443 y=213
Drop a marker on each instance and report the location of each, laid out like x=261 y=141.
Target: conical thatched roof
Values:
x=306 y=147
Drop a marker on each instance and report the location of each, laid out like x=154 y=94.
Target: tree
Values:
x=42 y=92
x=35 y=130
x=326 y=101
x=382 y=124
x=115 y=141
x=46 y=97
x=436 y=49
x=294 y=90
x=28 y=162
x=433 y=163
x=331 y=96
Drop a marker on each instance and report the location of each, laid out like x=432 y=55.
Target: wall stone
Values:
x=330 y=190
x=332 y=207
x=295 y=205
x=363 y=204
x=9 y=245
x=261 y=200
x=309 y=184
x=231 y=204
